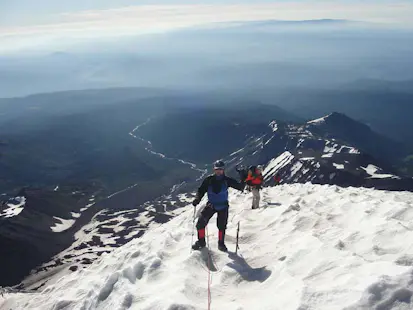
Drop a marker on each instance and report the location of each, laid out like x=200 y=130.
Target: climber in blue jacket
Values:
x=216 y=186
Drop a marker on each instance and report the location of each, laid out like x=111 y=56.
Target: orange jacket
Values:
x=254 y=180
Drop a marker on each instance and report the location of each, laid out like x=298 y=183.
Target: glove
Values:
x=196 y=202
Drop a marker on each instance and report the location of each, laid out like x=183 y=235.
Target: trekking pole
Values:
x=193 y=228
x=237 y=247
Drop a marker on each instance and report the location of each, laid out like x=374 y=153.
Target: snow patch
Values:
x=374 y=173
x=276 y=164
x=274 y=126
x=319 y=121
x=295 y=168
x=269 y=140
x=338 y=166
x=62 y=224
x=87 y=207
x=75 y=215
x=236 y=152
x=330 y=149
x=14 y=208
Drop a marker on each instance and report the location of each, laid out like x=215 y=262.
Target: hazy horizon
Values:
x=228 y=45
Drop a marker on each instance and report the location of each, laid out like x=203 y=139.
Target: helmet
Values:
x=219 y=164
x=240 y=167
x=260 y=168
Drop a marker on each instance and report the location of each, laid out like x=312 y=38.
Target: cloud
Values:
x=159 y=18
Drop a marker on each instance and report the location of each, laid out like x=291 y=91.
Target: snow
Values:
x=62 y=224
x=274 y=126
x=308 y=247
x=300 y=142
x=236 y=152
x=295 y=168
x=330 y=149
x=277 y=163
x=374 y=172
x=87 y=206
x=371 y=169
x=75 y=215
x=319 y=121
x=306 y=158
x=14 y=209
x=338 y=166
x=132 y=233
x=269 y=140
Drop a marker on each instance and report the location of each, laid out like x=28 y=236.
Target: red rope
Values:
x=209 y=272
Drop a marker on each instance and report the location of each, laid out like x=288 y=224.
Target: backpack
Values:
x=252 y=169
x=242 y=172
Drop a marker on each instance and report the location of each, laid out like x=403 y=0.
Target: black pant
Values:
x=208 y=212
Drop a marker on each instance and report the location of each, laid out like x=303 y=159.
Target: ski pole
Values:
x=237 y=247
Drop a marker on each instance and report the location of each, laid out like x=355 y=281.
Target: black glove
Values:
x=196 y=202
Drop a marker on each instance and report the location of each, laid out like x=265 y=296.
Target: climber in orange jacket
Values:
x=255 y=180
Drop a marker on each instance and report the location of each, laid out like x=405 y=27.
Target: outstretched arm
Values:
x=234 y=184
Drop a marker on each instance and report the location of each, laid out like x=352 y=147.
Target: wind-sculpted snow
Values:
x=307 y=247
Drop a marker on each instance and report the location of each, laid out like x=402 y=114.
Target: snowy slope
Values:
x=44 y=231
x=106 y=231
x=308 y=247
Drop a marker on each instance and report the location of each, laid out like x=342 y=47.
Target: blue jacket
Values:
x=217 y=189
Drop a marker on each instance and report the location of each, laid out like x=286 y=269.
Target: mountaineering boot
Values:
x=221 y=241
x=201 y=240
x=222 y=247
x=199 y=244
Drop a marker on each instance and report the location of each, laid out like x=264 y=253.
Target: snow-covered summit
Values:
x=308 y=247
x=334 y=149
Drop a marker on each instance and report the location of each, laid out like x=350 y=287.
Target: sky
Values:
x=26 y=23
